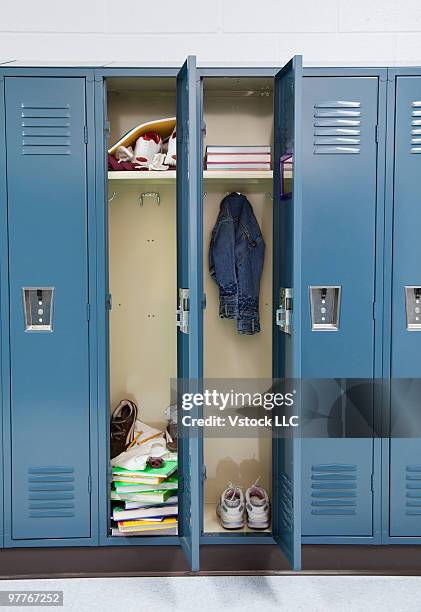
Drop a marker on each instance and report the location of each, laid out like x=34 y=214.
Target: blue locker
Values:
x=405 y=442
x=340 y=117
x=4 y=303
x=189 y=271
x=189 y=276
x=48 y=490
x=287 y=271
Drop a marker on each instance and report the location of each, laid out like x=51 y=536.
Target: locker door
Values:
x=405 y=444
x=340 y=116
x=286 y=470
x=4 y=304
x=189 y=272
x=47 y=208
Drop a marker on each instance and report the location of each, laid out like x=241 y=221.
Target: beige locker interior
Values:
x=142 y=270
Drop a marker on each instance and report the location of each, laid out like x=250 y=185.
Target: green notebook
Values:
x=157 y=497
x=166 y=470
x=133 y=487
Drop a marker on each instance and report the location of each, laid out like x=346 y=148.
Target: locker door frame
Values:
x=240 y=538
x=378 y=366
x=4 y=297
x=227 y=538
x=392 y=75
x=13 y=70
x=102 y=290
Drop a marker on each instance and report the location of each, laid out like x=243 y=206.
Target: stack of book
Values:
x=254 y=157
x=145 y=501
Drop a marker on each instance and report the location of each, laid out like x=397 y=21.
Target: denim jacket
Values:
x=236 y=256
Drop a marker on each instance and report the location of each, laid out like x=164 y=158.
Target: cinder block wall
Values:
x=328 y=32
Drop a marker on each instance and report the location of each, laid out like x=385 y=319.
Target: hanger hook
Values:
x=149 y=194
x=112 y=197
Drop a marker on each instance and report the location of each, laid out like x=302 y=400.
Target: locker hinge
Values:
x=204 y=128
x=375 y=314
x=183 y=310
x=88 y=312
x=85 y=134
x=90 y=483
x=204 y=301
x=108 y=301
x=180 y=483
x=204 y=472
x=180 y=133
x=377 y=133
x=284 y=311
x=372 y=483
x=107 y=129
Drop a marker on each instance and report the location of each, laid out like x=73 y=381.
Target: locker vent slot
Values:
x=286 y=502
x=336 y=128
x=334 y=489
x=51 y=492
x=413 y=490
x=45 y=130
x=416 y=127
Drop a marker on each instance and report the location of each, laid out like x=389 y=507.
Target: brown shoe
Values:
x=123 y=421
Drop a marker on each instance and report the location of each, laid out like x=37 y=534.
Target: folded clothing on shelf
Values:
x=238 y=157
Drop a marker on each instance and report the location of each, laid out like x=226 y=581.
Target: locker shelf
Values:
x=209 y=175
x=152 y=176
x=211 y=523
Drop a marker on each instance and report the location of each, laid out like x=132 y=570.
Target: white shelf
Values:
x=151 y=176
x=211 y=523
x=168 y=176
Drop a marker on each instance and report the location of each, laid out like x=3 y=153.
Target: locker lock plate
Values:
x=38 y=308
x=325 y=302
x=413 y=307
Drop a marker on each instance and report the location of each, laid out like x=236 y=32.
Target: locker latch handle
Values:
x=284 y=312
x=182 y=312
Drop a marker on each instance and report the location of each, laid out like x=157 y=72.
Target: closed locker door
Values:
x=338 y=283
x=47 y=209
x=405 y=443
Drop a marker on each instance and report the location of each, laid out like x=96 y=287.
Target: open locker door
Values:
x=287 y=295
x=189 y=279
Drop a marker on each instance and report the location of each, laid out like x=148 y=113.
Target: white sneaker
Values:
x=171 y=158
x=257 y=507
x=230 y=508
x=147 y=146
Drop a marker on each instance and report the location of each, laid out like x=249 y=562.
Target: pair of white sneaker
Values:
x=148 y=152
x=233 y=505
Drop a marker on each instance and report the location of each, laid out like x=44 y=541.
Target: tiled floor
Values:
x=214 y=594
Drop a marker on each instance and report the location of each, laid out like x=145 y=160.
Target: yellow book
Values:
x=141 y=525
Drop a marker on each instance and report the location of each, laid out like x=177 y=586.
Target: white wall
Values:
x=326 y=32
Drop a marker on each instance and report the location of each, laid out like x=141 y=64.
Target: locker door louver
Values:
x=336 y=127
x=286 y=502
x=51 y=492
x=413 y=490
x=45 y=130
x=334 y=489
x=416 y=127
